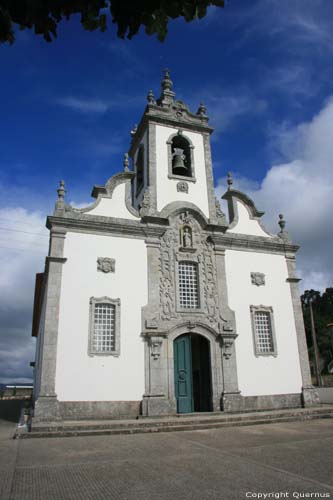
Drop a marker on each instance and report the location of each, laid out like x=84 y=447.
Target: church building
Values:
x=153 y=303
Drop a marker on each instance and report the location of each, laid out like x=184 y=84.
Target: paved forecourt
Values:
x=288 y=459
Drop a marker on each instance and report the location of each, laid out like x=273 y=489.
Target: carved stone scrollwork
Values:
x=227 y=343
x=151 y=324
x=106 y=265
x=182 y=187
x=145 y=205
x=219 y=213
x=155 y=347
x=194 y=246
x=258 y=279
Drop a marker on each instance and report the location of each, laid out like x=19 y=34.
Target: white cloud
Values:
x=97 y=106
x=84 y=105
x=23 y=246
x=302 y=189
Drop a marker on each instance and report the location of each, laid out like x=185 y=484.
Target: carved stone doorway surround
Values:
x=160 y=397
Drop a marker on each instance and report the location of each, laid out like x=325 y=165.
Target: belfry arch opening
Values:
x=181 y=156
x=192 y=369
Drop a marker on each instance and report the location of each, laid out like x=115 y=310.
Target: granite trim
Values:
x=99 y=410
x=162 y=116
x=171 y=175
x=234 y=241
x=151 y=165
x=177 y=207
x=209 y=180
x=309 y=394
x=269 y=310
x=232 y=196
x=229 y=332
x=92 y=303
x=99 y=192
x=235 y=403
x=111 y=226
x=46 y=404
x=215 y=359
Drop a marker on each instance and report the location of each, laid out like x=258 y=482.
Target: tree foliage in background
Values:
x=43 y=16
x=322 y=306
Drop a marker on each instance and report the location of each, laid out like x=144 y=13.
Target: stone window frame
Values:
x=171 y=175
x=193 y=259
x=92 y=303
x=269 y=310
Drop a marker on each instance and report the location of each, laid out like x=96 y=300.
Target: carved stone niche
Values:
x=258 y=279
x=106 y=265
x=186 y=239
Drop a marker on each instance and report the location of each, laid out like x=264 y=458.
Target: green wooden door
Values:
x=183 y=374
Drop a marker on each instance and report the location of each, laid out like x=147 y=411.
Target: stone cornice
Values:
x=253 y=243
x=109 y=225
x=168 y=117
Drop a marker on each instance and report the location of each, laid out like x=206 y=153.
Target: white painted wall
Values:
x=115 y=206
x=263 y=375
x=245 y=225
x=167 y=188
x=80 y=377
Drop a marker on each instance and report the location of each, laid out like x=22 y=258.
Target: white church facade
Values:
x=152 y=303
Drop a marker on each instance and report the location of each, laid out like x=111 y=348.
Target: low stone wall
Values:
x=97 y=410
x=325 y=394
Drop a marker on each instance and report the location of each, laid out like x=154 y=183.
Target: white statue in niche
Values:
x=187 y=237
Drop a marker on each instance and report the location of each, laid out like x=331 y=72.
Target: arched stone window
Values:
x=180 y=156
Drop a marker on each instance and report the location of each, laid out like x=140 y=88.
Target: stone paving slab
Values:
x=222 y=464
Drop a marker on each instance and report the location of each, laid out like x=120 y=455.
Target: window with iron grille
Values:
x=104 y=326
x=263 y=330
x=188 y=285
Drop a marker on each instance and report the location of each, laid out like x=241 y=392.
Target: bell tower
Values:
x=171 y=156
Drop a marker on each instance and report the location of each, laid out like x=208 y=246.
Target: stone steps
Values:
x=172 y=424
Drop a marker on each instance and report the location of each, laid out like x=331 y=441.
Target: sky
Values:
x=263 y=68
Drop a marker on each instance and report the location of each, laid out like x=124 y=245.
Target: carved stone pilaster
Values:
x=309 y=395
x=46 y=404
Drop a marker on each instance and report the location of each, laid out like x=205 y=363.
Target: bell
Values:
x=178 y=165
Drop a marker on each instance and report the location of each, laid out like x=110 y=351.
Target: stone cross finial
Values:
x=150 y=97
x=202 y=110
x=230 y=180
x=126 y=163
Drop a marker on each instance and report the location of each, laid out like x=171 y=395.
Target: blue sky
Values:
x=262 y=68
